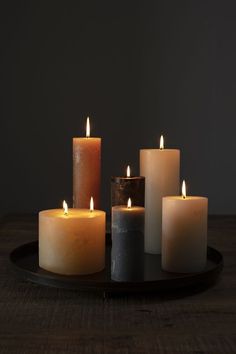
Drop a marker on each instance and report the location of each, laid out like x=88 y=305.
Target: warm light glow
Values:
x=161 y=142
x=184 y=189
x=87 y=128
x=128 y=171
x=129 y=204
x=65 y=207
x=91 y=204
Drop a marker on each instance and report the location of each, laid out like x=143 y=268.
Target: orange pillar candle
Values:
x=86 y=170
x=72 y=241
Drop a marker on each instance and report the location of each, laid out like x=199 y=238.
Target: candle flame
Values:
x=128 y=171
x=129 y=204
x=184 y=189
x=87 y=128
x=91 y=204
x=65 y=207
x=161 y=142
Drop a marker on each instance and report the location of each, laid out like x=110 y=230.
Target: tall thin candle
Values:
x=160 y=167
x=86 y=169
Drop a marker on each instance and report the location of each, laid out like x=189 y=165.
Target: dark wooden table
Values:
x=36 y=319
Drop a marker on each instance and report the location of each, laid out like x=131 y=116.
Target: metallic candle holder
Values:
x=123 y=188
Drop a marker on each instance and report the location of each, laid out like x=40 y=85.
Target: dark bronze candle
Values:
x=123 y=188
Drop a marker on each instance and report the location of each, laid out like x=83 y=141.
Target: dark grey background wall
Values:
x=139 y=69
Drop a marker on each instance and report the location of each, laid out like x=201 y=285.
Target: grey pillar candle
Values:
x=123 y=188
x=127 y=256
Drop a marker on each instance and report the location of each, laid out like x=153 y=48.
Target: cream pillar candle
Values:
x=86 y=170
x=160 y=167
x=73 y=241
x=184 y=233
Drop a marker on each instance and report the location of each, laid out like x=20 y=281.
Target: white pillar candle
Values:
x=160 y=167
x=72 y=242
x=184 y=233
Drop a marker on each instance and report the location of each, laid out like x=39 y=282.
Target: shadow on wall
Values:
x=149 y=70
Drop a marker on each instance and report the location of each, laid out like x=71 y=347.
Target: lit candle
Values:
x=86 y=169
x=127 y=257
x=127 y=186
x=72 y=241
x=160 y=167
x=184 y=233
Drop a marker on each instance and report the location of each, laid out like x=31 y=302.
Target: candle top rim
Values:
x=86 y=137
x=125 y=177
x=125 y=208
x=158 y=149
x=73 y=213
x=188 y=197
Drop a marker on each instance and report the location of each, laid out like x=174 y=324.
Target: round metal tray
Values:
x=25 y=262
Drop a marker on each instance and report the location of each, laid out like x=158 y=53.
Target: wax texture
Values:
x=184 y=234
x=86 y=171
x=127 y=258
x=123 y=188
x=161 y=171
x=73 y=244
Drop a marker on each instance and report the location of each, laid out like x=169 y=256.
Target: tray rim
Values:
x=207 y=277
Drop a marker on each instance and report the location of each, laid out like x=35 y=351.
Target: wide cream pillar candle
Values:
x=184 y=233
x=86 y=170
x=160 y=167
x=72 y=242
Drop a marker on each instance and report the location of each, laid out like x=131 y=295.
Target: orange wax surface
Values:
x=86 y=171
x=73 y=243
